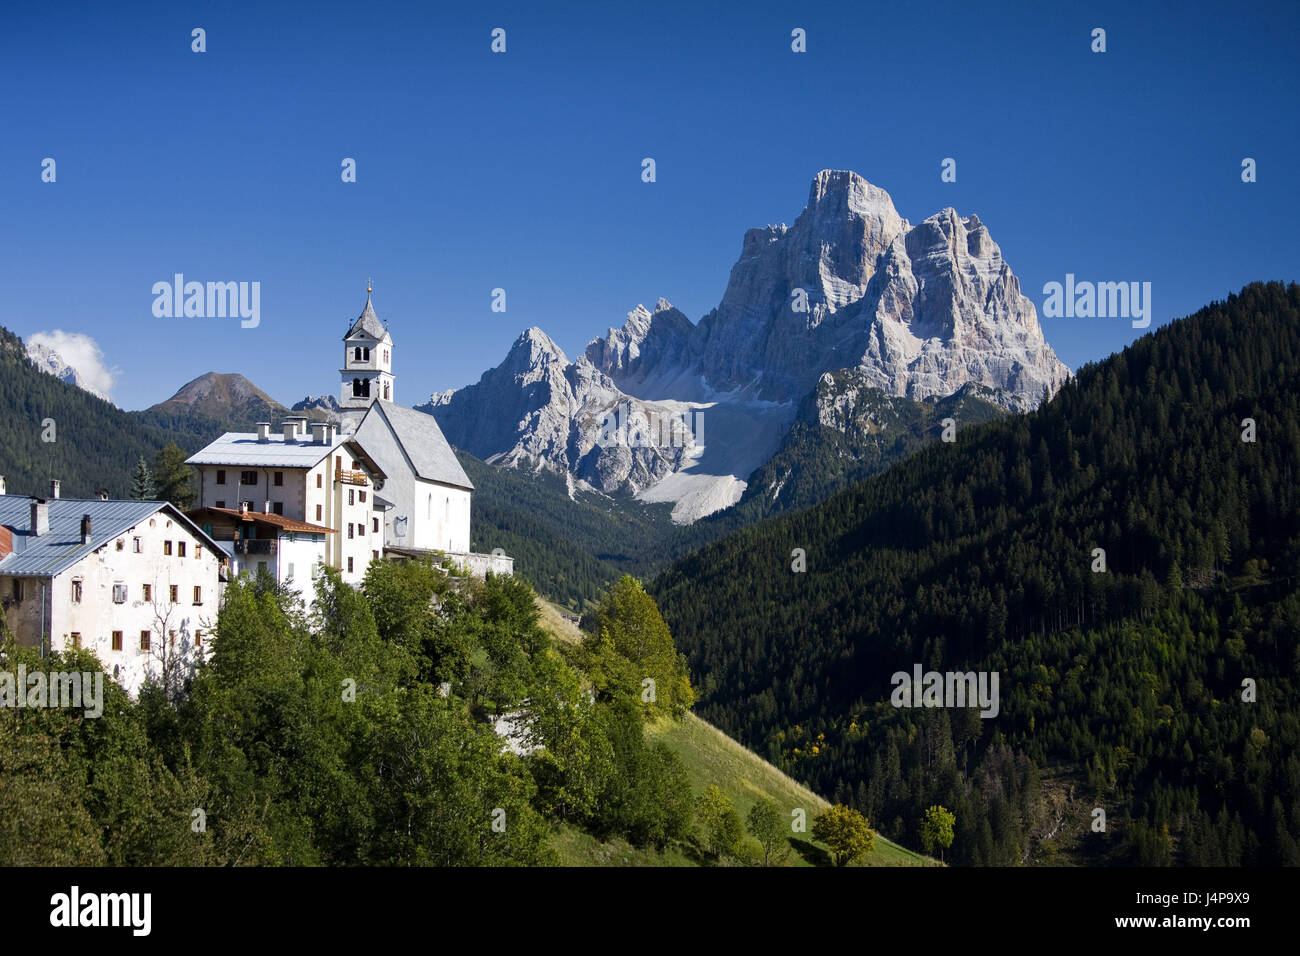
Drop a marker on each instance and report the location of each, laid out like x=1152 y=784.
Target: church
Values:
x=426 y=493
x=385 y=484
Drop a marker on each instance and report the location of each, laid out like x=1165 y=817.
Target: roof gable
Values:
x=423 y=443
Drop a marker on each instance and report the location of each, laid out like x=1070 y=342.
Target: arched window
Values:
x=356 y=353
x=365 y=388
x=446 y=513
x=386 y=395
x=366 y=356
x=356 y=388
x=429 y=513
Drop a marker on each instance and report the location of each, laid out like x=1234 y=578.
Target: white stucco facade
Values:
x=144 y=600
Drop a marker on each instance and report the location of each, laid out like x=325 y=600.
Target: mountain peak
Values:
x=221 y=395
x=534 y=347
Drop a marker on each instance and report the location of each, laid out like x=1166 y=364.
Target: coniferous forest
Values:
x=1158 y=687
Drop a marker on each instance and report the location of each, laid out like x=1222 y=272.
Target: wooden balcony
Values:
x=255 y=546
x=353 y=478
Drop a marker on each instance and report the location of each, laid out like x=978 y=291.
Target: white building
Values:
x=321 y=479
x=134 y=581
x=428 y=491
x=426 y=494
x=287 y=549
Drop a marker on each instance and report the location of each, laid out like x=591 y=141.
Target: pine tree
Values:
x=142 y=488
x=173 y=477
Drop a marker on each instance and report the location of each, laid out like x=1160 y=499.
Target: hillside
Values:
x=710 y=757
x=1120 y=689
x=95 y=444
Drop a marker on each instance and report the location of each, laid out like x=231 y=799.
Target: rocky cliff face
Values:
x=917 y=312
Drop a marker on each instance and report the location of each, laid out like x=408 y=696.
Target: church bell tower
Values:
x=367 y=372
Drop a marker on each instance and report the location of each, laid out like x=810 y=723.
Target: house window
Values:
x=361 y=496
x=76 y=639
x=121 y=545
x=349 y=529
x=338 y=464
x=375 y=555
x=365 y=354
x=144 y=640
x=428 y=513
x=18 y=590
x=318 y=512
x=146 y=591
x=352 y=496
x=180 y=548
x=248 y=478
x=356 y=354
x=76 y=592
x=221 y=504
x=117 y=640
x=167 y=547
x=386 y=395
x=174 y=592
x=277 y=507
x=136 y=546
x=171 y=639
x=349 y=565
x=198 y=638
x=221 y=477
x=375 y=527
x=119 y=593
x=446 y=511
x=279 y=478
x=318 y=477
x=198 y=594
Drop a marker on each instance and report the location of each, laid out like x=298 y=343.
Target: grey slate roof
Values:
x=425 y=445
x=61 y=548
x=367 y=322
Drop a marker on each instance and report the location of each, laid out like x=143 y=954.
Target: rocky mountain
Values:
x=52 y=363
x=324 y=407
x=916 y=312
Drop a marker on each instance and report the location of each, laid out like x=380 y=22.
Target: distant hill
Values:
x=223 y=397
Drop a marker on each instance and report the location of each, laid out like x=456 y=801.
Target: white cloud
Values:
x=83 y=354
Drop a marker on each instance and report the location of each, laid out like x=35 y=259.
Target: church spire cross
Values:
x=369 y=282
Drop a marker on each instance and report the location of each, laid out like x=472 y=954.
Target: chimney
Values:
x=102 y=494
x=40 y=517
x=243 y=507
x=290 y=430
x=266 y=507
x=2 y=485
x=54 y=487
x=263 y=432
x=85 y=529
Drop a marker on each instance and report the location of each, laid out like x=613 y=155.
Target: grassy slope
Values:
x=710 y=758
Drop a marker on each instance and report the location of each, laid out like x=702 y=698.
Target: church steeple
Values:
x=367 y=372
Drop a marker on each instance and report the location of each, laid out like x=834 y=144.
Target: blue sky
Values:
x=522 y=170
